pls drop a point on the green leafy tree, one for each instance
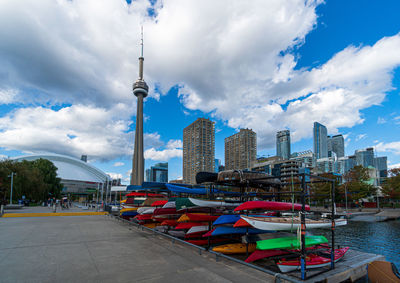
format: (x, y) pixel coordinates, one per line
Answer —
(34, 179)
(321, 191)
(391, 188)
(357, 184)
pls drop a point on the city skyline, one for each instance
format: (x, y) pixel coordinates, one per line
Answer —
(70, 92)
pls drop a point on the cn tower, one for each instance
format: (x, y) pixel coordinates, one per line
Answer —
(140, 90)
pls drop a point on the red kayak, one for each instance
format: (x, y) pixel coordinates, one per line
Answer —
(194, 235)
(269, 205)
(163, 211)
(159, 203)
(138, 194)
(188, 225)
(169, 222)
(312, 261)
(208, 234)
(142, 217)
(202, 217)
(260, 254)
(241, 223)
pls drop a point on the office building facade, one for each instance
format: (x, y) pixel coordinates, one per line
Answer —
(240, 150)
(157, 173)
(283, 144)
(336, 145)
(365, 157)
(198, 149)
(320, 141)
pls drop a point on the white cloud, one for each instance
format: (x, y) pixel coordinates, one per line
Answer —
(236, 60)
(102, 134)
(8, 96)
(393, 147)
(391, 166)
(172, 149)
(115, 175)
(117, 164)
(381, 120)
(361, 136)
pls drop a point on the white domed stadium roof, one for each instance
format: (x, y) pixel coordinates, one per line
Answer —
(70, 168)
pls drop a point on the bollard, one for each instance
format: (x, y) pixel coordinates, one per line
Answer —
(54, 208)
(1, 210)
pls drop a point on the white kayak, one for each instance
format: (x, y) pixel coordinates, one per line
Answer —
(170, 204)
(196, 229)
(149, 210)
(288, 223)
(213, 203)
(143, 208)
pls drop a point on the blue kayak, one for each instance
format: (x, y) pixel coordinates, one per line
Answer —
(129, 213)
(224, 230)
(227, 219)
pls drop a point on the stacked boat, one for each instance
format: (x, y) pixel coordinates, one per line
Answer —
(253, 228)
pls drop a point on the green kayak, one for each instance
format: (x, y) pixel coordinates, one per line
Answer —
(289, 242)
(182, 203)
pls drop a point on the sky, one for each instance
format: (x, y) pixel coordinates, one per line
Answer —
(67, 69)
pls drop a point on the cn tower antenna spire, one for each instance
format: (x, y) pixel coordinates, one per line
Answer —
(140, 90)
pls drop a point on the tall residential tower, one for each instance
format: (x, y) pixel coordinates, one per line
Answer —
(283, 144)
(240, 150)
(198, 149)
(320, 141)
(140, 90)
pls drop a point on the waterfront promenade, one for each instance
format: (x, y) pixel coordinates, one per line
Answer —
(99, 249)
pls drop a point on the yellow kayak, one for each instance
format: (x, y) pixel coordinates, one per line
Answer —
(128, 209)
(185, 218)
(151, 225)
(237, 248)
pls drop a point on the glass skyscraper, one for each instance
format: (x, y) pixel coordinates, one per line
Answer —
(157, 173)
(320, 141)
(365, 157)
(283, 144)
(336, 145)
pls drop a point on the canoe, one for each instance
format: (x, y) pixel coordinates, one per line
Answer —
(188, 225)
(213, 203)
(196, 229)
(289, 242)
(379, 269)
(269, 205)
(312, 261)
(225, 230)
(237, 248)
(288, 223)
(183, 203)
(159, 203)
(227, 219)
(201, 217)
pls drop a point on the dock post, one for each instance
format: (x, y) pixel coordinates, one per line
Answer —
(333, 225)
(303, 229)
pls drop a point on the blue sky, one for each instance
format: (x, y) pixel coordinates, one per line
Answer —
(67, 67)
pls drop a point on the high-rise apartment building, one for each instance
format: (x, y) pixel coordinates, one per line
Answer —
(320, 141)
(198, 149)
(240, 150)
(365, 157)
(336, 145)
(381, 166)
(283, 144)
(157, 173)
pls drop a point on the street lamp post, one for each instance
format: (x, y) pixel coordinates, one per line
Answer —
(12, 182)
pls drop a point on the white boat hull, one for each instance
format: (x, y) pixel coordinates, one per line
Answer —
(277, 226)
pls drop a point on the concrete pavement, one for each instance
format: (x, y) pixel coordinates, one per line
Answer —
(99, 249)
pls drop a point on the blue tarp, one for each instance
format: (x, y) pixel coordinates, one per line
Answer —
(183, 190)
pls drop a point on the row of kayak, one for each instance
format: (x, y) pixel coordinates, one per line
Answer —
(223, 226)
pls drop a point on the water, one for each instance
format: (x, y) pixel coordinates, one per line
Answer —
(372, 237)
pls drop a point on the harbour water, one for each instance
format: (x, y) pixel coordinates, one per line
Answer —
(371, 237)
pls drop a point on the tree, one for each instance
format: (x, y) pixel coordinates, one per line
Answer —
(391, 188)
(321, 191)
(357, 184)
(34, 179)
